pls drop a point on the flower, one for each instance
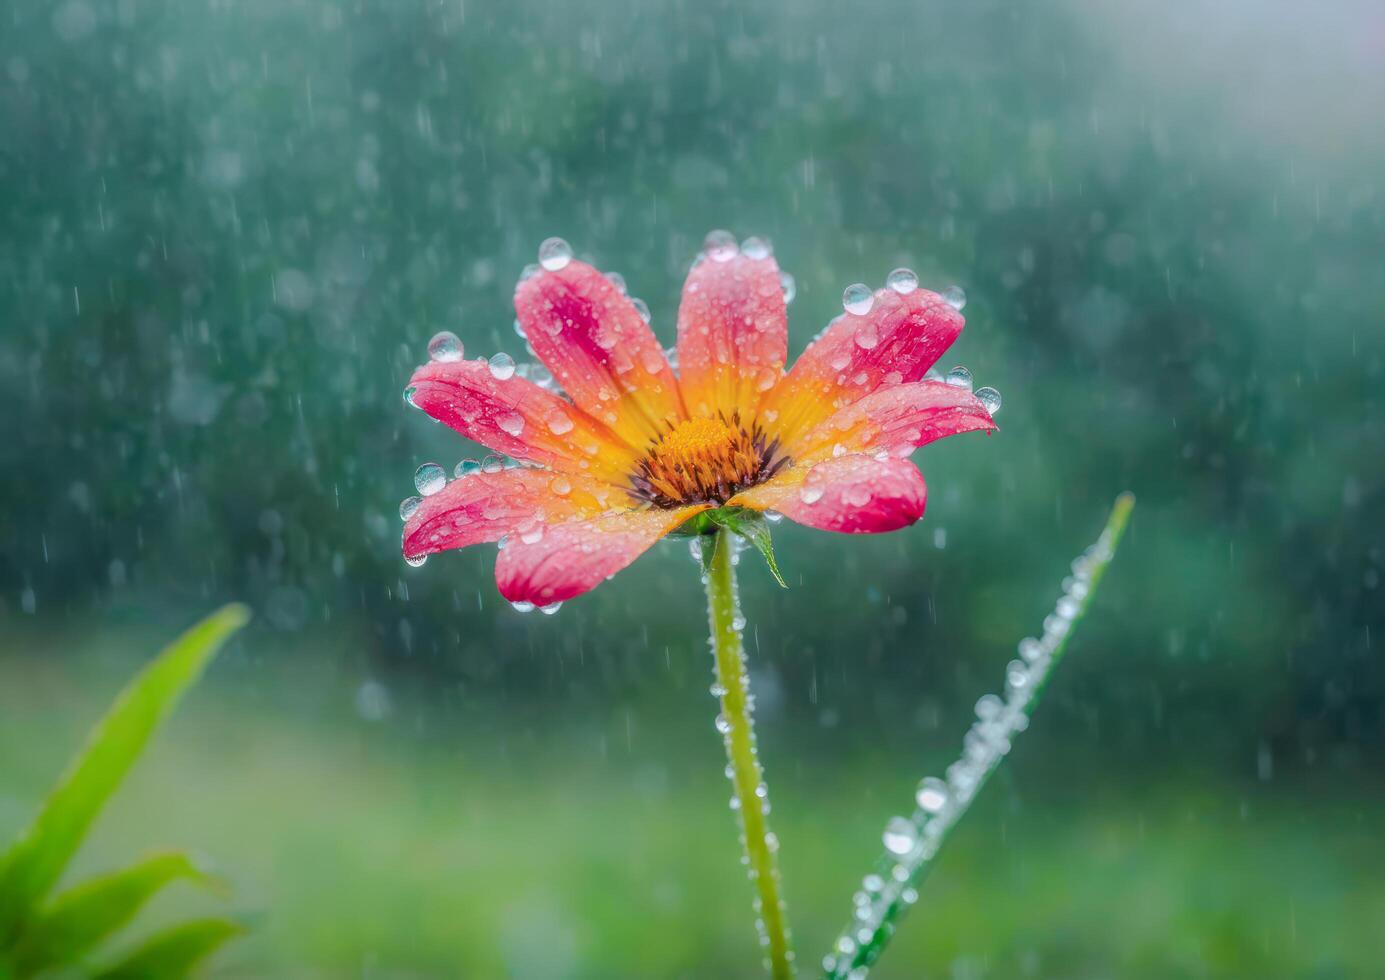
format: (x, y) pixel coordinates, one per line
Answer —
(635, 450)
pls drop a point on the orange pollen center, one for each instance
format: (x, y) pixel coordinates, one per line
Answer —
(704, 460)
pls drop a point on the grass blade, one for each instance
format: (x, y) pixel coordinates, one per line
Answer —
(912, 842)
(174, 952)
(75, 921)
(34, 864)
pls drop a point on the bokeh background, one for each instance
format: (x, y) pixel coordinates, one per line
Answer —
(230, 228)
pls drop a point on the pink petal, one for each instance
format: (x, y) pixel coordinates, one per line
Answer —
(569, 559)
(487, 506)
(896, 419)
(733, 335)
(855, 494)
(897, 341)
(519, 419)
(600, 349)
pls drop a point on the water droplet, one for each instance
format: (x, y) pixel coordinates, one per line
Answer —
(551, 608)
(902, 281)
(810, 495)
(1016, 675)
(502, 367)
(858, 299)
(407, 506)
(429, 479)
(900, 835)
(617, 280)
(642, 308)
(511, 423)
(756, 248)
(492, 464)
(445, 346)
(989, 399)
(1030, 649)
(954, 297)
(931, 796)
(466, 467)
(720, 246)
(988, 706)
(554, 254)
(773, 516)
(723, 724)
(788, 286)
(959, 377)
(415, 561)
(560, 485)
(528, 272)
(523, 606)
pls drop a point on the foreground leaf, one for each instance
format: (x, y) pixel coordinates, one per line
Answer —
(74, 922)
(33, 865)
(172, 953)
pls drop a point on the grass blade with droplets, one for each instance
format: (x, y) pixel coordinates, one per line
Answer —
(912, 842)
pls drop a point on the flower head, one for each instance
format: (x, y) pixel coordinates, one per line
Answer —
(635, 450)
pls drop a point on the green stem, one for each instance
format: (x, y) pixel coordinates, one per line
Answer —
(751, 795)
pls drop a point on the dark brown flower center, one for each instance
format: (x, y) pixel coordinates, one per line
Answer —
(705, 460)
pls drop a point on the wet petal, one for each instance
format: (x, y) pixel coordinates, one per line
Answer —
(487, 506)
(855, 494)
(571, 558)
(600, 349)
(733, 335)
(896, 419)
(518, 418)
(897, 341)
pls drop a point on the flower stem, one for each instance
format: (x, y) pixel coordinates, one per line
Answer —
(751, 798)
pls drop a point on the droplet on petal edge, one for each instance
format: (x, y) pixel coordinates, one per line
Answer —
(467, 467)
(502, 366)
(617, 280)
(642, 308)
(407, 506)
(554, 254)
(959, 377)
(858, 299)
(429, 479)
(902, 281)
(756, 248)
(788, 285)
(989, 399)
(954, 296)
(445, 347)
(720, 246)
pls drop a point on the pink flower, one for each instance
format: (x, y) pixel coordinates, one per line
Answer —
(635, 449)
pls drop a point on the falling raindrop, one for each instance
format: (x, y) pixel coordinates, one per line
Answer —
(858, 299)
(720, 246)
(989, 399)
(959, 377)
(407, 506)
(554, 254)
(954, 297)
(756, 248)
(902, 281)
(502, 366)
(445, 346)
(900, 835)
(429, 479)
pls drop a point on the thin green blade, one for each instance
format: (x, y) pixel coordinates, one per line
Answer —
(174, 952)
(33, 865)
(79, 918)
(752, 526)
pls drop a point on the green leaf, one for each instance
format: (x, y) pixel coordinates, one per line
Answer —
(174, 952)
(752, 526)
(36, 860)
(75, 921)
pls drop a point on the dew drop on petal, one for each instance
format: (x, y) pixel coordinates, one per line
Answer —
(445, 346)
(809, 494)
(902, 281)
(900, 835)
(554, 254)
(954, 296)
(858, 299)
(511, 423)
(642, 308)
(467, 467)
(788, 286)
(959, 377)
(502, 366)
(522, 606)
(617, 280)
(561, 485)
(989, 399)
(551, 608)
(559, 423)
(415, 561)
(720, 246)
(492, 464)
(931, 796)
(430, 478)
(407, 506)
(756, 248)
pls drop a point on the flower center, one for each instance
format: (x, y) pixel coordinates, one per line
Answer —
(705, 460)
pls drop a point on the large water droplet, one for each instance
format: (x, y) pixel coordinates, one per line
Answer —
(511, 423)
(720, 246)
(959, 377)
(900, 835)
(445, 346)
(554, 254)
(756, 248)
(430, 478)
(989, 399)
(858, 299)
(954, 297)
(902, 281)
(502, 366)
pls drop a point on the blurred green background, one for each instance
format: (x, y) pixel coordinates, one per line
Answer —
(230, 228)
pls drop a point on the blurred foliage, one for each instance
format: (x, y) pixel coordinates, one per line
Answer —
(38, 933)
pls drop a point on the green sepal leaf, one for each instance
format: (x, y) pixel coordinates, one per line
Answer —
(173, 953)
(752, 526)
(75, 921)
(34, 863)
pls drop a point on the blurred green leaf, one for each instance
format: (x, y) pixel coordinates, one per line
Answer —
(35, 862)
(79, 918)
(174, 952)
